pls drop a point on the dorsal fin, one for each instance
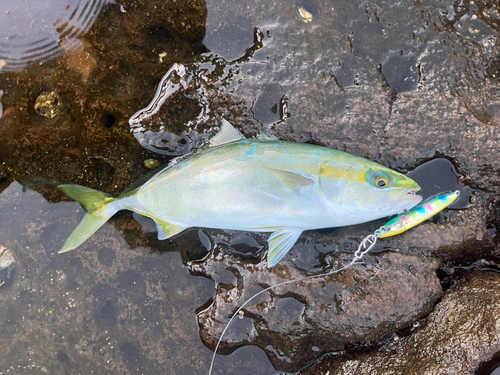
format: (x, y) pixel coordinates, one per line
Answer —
(267, 137)
(226, 134)
(142, 180)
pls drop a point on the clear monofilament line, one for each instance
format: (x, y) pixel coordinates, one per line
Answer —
(363, 249)
(401, 223)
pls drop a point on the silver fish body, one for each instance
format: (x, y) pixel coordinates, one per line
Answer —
(260, 185)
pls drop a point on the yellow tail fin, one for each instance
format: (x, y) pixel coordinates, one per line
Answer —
(95, 203)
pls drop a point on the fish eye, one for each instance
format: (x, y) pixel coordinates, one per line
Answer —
(381, 180)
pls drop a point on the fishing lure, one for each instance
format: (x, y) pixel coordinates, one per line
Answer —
(417, 214)
(407, 220)
(260, 185)
(401, 223)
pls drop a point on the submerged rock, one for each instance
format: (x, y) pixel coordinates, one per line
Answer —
(298, 322)
(98, 88)
(47, 104)
(448, 341)
(7, 266)
(151, 163)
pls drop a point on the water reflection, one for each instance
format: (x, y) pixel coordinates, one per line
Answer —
(155, 132)
(335, 80)
(184, 109)
(105, 309)
(41, 30)
(439, 175)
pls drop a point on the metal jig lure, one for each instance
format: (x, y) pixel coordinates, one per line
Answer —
(397, 225)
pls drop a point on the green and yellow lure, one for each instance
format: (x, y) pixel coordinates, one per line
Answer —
(417, 214)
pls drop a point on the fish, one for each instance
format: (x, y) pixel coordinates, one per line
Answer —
(417, 214)
(260, 185)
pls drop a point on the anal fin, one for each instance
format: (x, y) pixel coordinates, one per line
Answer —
(166, 229)
(280, 243)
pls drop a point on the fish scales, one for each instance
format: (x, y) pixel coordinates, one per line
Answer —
(231, 189)
(256, 185)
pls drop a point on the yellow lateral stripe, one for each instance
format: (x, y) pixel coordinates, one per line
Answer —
(351, 174)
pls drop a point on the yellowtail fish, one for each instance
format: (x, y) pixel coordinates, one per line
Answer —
(262, 185)
(397, 225)
(417, 214)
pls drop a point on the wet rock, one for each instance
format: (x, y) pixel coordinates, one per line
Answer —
(448, 341)
(99, 80)
(399, 83)
(299, 322)
(47, 104)
(105, 309)
(7, 267)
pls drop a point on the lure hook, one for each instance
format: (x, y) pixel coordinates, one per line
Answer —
(406, 220)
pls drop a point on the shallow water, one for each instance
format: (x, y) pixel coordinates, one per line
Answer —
(106, 309)
(35, 30)
(339, 75)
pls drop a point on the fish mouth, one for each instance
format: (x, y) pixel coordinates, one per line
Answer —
(409, 196)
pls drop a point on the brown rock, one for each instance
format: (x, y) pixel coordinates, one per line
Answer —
(299, 322)
(460, 334)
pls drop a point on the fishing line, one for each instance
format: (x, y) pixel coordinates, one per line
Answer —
(364, 247)
(401, 223)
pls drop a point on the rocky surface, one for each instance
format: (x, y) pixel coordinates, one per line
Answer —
(299, 322)
(403, 103)
(460, 335)
(402, 83)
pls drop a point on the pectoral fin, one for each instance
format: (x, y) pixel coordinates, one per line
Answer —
(167, 230)
(291, 180)
(280, 243)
